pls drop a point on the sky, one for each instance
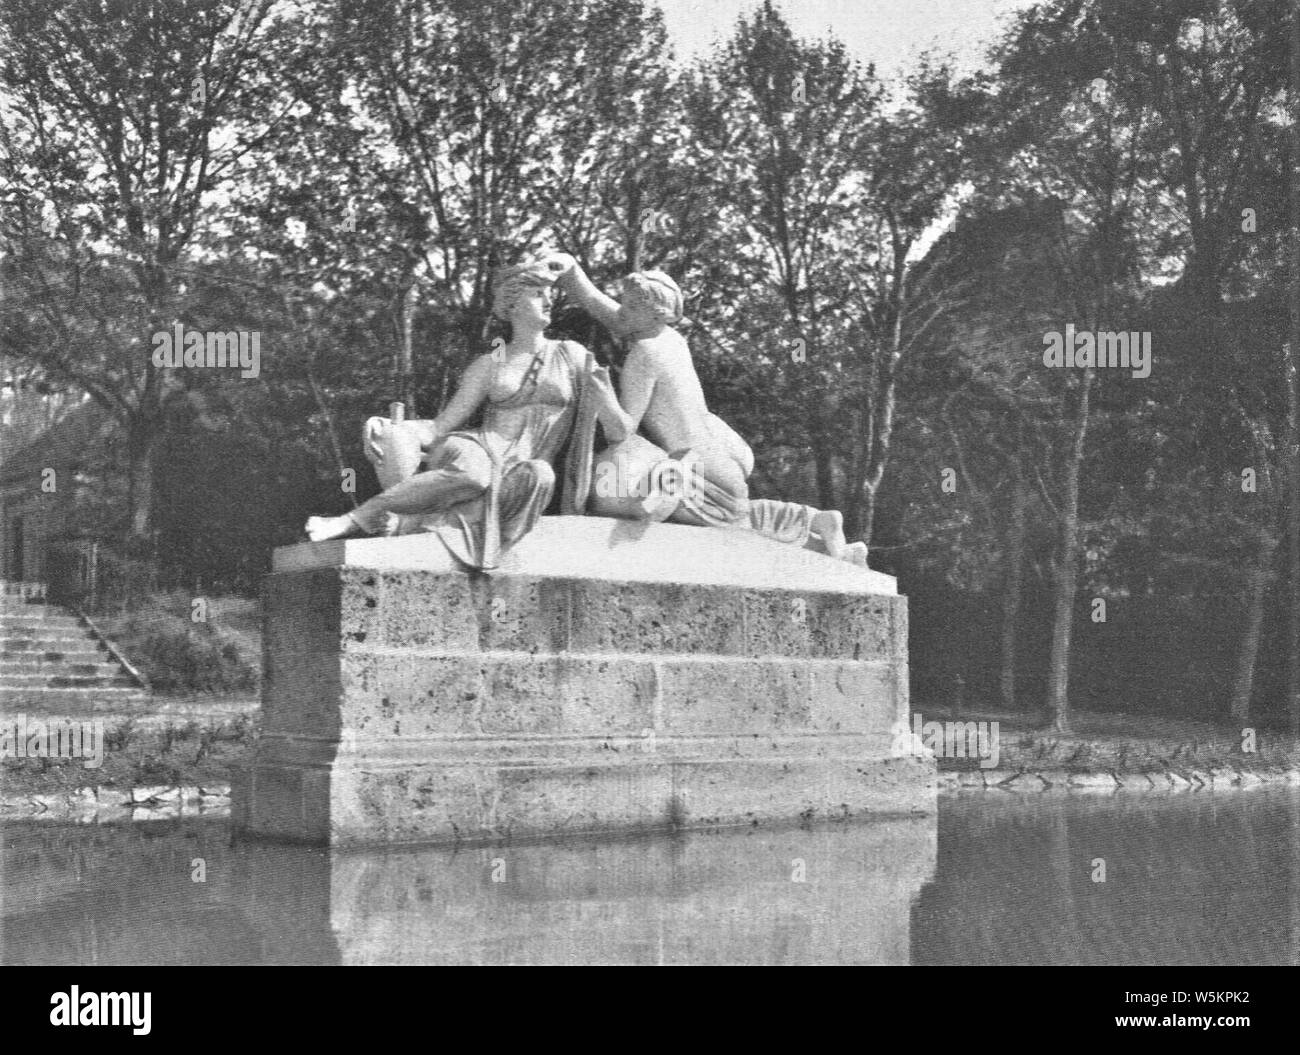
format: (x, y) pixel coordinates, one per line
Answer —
(890, 33)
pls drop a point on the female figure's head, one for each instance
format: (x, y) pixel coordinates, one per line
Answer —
(522, 298)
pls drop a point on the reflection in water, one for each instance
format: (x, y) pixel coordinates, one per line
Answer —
(1189, 879)
(836, 894)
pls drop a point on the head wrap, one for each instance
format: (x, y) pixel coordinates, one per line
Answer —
(510, 282)
(662, 291)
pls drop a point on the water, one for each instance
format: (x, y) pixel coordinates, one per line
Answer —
(1189, 879)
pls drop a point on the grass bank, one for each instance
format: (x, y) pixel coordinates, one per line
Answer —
(186, 646)
(140, 753)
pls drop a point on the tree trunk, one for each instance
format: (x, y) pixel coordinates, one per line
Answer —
(141, 443)
(823, 469)
(867, 514)
(878, 455)
(852, 510)
(1012, 590)
(1257, 579)
(330, 429)
(1293, 524)
(405, 360)
(854, 490)
(635, 236)
(1065, 584)
(1291, 366)
(144, 423)
(1064, 588)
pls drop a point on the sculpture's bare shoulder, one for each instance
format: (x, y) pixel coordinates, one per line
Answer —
(676, 412)
(666, 355)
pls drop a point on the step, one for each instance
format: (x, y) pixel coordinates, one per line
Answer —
(89, 692)
(49, 643)
(98, 666)
(109, 692)
(9, 623)
(73, 702)
(54, 656)
(21, 590)
(43, 615)
(30, 611)
(20, 682)
(40, 630)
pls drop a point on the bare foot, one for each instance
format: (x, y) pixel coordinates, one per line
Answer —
(322, 529)
(828, 525)
(856, 553)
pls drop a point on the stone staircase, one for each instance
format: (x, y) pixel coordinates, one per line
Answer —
(53, 661)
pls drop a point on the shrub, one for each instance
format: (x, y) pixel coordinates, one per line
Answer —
(179, 655)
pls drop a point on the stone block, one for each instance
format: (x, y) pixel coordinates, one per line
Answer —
(820, 625)
(736, 696)
(656, 618)
(426, 610)
(855, 697)
(408, 700)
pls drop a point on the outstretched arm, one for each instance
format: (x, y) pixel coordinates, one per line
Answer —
(609, 412)
(473, 390)
(614, 419)
(469, 396)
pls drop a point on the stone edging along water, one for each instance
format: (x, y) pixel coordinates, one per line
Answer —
(1218, 778)
(91, 805)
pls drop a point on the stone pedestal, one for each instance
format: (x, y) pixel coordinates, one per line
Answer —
(610, 676)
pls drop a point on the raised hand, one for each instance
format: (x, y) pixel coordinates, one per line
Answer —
(618, 426)
(559, 264)
(603, 387)
(372, 438)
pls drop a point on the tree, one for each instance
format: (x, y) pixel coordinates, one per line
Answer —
(1086, 86)
(436, 141)
(823, 196)
(121, 120)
